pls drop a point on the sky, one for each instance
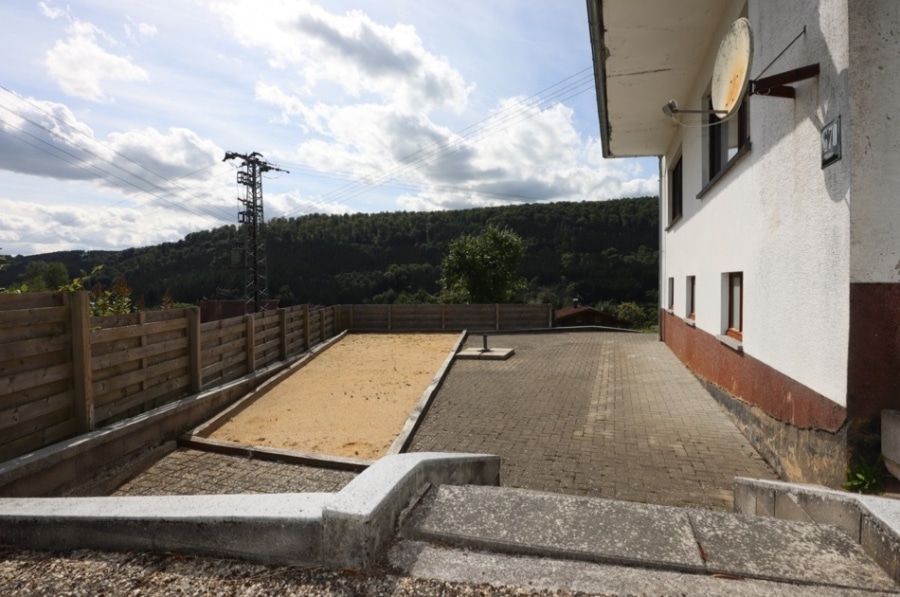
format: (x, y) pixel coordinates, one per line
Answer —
(115, 115)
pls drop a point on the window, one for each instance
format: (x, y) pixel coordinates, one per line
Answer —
(690, 287)
(675, 193)
(726, 138)
(735, 325)
(671, 296)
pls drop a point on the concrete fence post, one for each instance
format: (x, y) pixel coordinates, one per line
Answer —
(81, 360)
(194, 349)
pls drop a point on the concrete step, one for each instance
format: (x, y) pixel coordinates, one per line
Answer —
(555, 526)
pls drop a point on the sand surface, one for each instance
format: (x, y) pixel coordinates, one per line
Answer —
(351, 400)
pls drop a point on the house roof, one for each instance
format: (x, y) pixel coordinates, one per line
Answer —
(647, 52)
(568, 311)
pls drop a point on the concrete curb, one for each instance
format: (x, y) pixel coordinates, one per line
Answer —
(872, 522)
(344, 529)
(418, 412)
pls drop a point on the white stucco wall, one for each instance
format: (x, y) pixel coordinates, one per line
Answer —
(776, 216)
(874, 80)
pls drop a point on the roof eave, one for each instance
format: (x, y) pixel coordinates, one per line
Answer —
(599, 55)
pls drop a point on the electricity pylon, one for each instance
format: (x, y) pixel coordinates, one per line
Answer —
(251, 223)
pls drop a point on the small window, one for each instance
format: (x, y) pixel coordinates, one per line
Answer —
(690, 293)
(725, 138)
(735, 327)
(676, 193)
(671, 295)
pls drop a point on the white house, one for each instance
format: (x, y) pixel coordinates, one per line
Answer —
(780, 226)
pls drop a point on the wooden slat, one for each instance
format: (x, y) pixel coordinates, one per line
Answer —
(34, 346)
(112, 384)
(46, 437)
(36, 425)
(21, 382)
(30, 300)
(19, 415)
(29, 317)
(139, 352)
(177, 386)
(135, 331)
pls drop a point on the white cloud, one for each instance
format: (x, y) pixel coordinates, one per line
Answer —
(138, 32)
(46, 139)
(81, 66)
(351, 51)
(28, 228)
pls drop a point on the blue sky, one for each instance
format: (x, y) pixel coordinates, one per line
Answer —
(115, 115)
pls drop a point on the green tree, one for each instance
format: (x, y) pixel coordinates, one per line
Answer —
(483, 268)
(40, 276)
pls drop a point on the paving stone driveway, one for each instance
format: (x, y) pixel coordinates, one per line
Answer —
(606, 414)
(193, 472)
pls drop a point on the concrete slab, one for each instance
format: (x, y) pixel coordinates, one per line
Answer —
(492, 354)
(781, 550)
(557, 526)
(548, 575)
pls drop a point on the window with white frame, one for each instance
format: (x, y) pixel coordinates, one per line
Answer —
(690, 296)
(734, 326)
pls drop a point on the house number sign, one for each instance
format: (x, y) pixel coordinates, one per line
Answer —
(831, 142)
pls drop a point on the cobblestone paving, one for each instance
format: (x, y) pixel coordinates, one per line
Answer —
(606, 414)
(192, 472)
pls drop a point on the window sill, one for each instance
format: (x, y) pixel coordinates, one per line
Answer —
(674, 221)
(735, 345)
(743, 151)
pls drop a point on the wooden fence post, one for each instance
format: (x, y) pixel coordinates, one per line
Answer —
(306, 345)
(497, 316)
(390, 316)
(282, 335)
(322, 324)
(250, 318)
(81, 360)
(194, 349)
(443, 317)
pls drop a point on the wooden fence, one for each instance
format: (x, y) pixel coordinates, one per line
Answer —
(63, 372)
(497, 317)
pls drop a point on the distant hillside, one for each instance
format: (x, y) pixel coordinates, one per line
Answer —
(595, 251)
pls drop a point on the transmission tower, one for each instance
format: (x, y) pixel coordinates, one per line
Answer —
(251, 223)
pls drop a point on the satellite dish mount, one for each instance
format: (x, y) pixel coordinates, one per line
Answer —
(731, 74)
(777, 85)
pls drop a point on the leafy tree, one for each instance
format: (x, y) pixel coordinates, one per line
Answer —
(483, 268)
(40, 276)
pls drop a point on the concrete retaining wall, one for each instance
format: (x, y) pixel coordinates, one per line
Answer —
(348, 529)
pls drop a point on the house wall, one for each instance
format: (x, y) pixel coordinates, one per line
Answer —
(874, 83)
(784, 222)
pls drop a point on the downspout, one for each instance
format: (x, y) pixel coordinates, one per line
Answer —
(662, 256)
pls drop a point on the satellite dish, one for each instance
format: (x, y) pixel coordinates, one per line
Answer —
(731, 73)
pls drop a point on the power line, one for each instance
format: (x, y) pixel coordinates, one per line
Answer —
(562, 90)
(205, 209)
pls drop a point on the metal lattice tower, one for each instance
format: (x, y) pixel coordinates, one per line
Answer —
(251, 224)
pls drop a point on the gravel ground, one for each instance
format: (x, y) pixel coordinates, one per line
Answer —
(89, 573)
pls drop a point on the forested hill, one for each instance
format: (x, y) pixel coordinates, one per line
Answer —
(595, 251)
